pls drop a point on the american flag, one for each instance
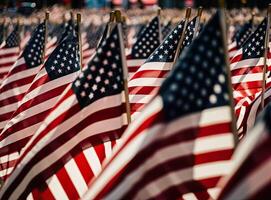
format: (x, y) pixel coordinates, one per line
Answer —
(95, 34)
(53, 38)
(243, 34)
(146, 43)
(240, 38)
(247, 67)
(139, 29)
(9, 52)
(69, 29)
(104, 35)
(90, 111)
(59, 70)
(144, 84)
(87, 51)
(71, 181)
(249, 177)
(57, 35)
(50, 46)
(247, 74)
(21, 75)
(55, 30)
(247, 114)
(182, 143)
(166, 29)
(189, 32)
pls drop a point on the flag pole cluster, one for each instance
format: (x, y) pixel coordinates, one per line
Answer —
(135, 107)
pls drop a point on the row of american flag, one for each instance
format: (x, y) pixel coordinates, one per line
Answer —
(67, 98)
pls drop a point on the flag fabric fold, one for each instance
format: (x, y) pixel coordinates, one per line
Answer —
(181, 144)
(247, 65)
(59, 70)
(145, 83)
(9, 52)
(21, 75)
(247, 74)
(90, 112)
(240, 38)
(145, 44)
(248, 178)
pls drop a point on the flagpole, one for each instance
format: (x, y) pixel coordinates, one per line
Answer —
(124, 65)
(180, 44)
(159, 24)
(47, 15)
(79, 39)
(252, 20)
(224, 34)
(123, 20)
(110, 23)
(71, 15)
(22, 33)
(197, 26)
(5, 30)
(266, 45)
(64, 18)
(19, 31)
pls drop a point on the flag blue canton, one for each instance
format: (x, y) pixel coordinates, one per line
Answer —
(33, 52)
(95, 35)
(199, 79)
(148, 40)
(189, 32)
(103, 76)
(243, 34)
(254, 46)
(103, 37)
(13, 39)
(65, 59)
(69, 29)
(55, 30)
(166, 51)
(139, 29)
(166, 29)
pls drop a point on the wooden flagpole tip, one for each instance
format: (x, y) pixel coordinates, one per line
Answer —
(222, 4)
(18, 21)
(269, 8)
(78, 16)
(118, 16)
(64, 17)
(188, 13)
(200, 11)
(252, 16)
(47, 14)
(123, 19)
(112, 16)
(159, 11)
